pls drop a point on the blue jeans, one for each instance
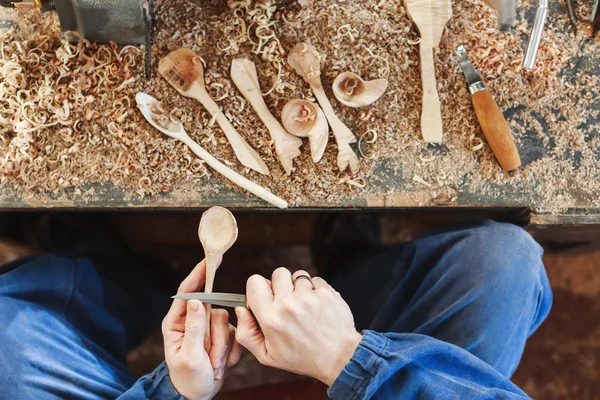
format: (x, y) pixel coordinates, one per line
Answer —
(480, 286)
(63, 328)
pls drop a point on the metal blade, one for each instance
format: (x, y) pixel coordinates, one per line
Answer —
(471, 74)
(217, 299)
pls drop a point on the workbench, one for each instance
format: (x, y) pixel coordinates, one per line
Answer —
(569, 197)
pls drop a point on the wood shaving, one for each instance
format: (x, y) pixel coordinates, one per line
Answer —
(79, 134)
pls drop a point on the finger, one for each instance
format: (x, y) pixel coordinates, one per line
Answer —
(195, 327)
(320, 283)
(260, 295)
(236, 349)
(282, 282)
(302, 284)
(249, 335)
(220, 341)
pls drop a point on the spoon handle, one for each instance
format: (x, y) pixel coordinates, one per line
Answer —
(343, 135)
(246, 154)
(212, 260)
(431, 115)
(233, 176)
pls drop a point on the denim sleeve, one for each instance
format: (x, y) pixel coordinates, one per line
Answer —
(156, 385)
(410, 366)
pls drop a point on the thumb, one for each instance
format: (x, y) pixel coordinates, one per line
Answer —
(249, 335)
(195, 328)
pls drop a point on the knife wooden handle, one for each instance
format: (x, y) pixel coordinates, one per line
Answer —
(496, 130)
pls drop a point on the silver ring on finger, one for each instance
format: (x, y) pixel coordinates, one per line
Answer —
(304, 277)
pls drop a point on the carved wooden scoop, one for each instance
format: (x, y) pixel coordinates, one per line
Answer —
(287, 147)
(147, 103)
(217, 232)
(183, 70)
(304, 59)
(430, 17)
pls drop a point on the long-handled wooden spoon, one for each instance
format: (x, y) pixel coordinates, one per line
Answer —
(287, 147)
(304, 59)
(217, 232)
(146, 103)
(430, 17)
(183, 70)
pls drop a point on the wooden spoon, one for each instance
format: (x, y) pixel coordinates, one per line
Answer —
(304, 59)
(304, 118)
(352, 91)
(430, 17)
(217, 232)
(287, 147)
(183, 70)
(145, 103)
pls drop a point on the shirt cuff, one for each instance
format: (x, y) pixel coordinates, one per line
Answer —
(163, 387)
(354, 379)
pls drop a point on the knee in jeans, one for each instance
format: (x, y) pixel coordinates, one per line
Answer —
(506, 255)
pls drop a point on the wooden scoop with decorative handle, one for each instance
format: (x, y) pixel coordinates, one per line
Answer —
(304, 59)
(430, 17)
(183, 70)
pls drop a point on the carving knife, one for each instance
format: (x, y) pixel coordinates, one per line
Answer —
(494, 126)
(595, 17)
(217, 299)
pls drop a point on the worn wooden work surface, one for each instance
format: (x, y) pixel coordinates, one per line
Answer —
(559, 141)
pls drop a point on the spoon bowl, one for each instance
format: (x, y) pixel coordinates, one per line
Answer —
(218, 230)
(149, 106)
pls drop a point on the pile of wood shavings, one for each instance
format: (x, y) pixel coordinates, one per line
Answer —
(369, 38)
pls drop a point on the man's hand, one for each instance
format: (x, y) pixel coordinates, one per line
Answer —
(195, 374)
(306, 330)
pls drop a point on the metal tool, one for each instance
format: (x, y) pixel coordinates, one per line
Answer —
(595, 17)
(494, 126)
(572, 15)
(507, 12)
(217, 299)
(535, 38)
(123, 21)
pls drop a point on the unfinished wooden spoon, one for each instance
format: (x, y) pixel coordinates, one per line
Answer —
(217, 232)
(304, 118)
(304, 59)
(183, 70)
(147, 103)
(287, 147)
(352, 91)
(430, 17)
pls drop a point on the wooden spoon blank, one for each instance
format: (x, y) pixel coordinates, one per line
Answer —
(287, 147)
(430, 17)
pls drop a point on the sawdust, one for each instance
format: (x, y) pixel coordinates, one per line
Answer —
(552, 110)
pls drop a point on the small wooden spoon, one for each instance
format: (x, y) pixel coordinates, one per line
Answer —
(183, 70)
(304, 59)
(304, 118)
(430, 17)
(352, 91)
(217, 232)
(287, 147)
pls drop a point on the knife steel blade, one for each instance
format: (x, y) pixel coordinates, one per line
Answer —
(471, 74)
(217, 299)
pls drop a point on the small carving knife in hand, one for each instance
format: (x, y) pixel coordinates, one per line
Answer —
(494, 126)
(216, 299)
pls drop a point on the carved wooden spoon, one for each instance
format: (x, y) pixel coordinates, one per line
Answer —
(430, 17)
(146, 103)
(304, 118)
(304, 59)
(183, 70)
(287, 147)
(217, 232)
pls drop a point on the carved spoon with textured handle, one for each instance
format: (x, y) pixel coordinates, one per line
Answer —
(304, 59)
